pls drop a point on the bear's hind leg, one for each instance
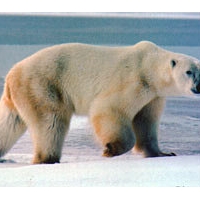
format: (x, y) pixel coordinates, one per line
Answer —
(114, 131)
(145, 127)
(48, 137)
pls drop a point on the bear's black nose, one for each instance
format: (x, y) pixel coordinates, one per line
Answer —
(198, 88)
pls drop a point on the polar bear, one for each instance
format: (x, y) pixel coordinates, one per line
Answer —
(121, 89)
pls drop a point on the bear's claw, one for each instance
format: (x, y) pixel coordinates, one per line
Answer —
(159, 154)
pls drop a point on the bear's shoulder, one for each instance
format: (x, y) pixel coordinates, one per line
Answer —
(146, 45)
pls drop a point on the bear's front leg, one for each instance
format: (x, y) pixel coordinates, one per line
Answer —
(145, 126)
(115, 132)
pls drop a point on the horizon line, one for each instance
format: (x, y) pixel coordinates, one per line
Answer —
(161, 15)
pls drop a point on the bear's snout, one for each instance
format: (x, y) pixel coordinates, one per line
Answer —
(194, 74)
(196, 88)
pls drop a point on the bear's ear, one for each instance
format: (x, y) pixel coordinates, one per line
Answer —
(173, 63)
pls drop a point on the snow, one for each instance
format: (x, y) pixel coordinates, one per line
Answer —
(166, 172)
(82, 163)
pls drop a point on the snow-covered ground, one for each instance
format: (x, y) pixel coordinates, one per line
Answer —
(175, 171)
(82, 163)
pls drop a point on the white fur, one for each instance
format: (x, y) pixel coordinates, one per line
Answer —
(122, 89)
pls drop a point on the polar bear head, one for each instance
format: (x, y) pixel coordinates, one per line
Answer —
(186, 74)
(171, 74)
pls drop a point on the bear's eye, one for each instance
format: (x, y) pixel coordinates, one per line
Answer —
(173, 63)
(189, 73)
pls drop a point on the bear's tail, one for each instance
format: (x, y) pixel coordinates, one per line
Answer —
(11, 127)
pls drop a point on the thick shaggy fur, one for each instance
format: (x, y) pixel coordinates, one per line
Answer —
(122, 89)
